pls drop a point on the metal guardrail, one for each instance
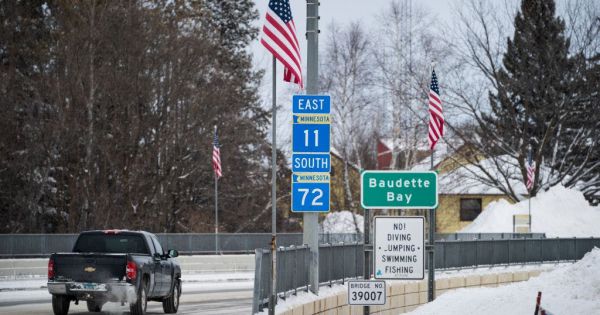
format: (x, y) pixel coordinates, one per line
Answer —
(41, 245)
(448, 255)
(460, 254)
(337, 262)
(486, 236)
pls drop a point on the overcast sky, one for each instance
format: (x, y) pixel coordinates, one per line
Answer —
(342, 12)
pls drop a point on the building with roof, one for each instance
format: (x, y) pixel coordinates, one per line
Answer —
(464, 191)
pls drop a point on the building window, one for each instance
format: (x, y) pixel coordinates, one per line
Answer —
(470, 208)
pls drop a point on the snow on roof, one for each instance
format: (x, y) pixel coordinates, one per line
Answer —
(471, 179)
(441, 153)
(403, 145)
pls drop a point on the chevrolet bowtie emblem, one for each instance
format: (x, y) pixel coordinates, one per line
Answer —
(89, 269)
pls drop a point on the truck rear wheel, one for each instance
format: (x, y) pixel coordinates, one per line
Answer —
(171, 304)
(139, 307)
(94, 306)
(60, 304)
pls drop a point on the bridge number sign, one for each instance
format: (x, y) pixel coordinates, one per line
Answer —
(366, 292)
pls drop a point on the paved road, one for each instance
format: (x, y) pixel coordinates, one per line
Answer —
(197, 301)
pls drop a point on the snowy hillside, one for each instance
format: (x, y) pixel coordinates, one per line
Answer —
(558, 212)
(572, 289)
(342, 222)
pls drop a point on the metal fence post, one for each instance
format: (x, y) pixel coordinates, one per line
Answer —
(444, 254)
(343, 263)
(542, 251)
(559, 248)
(331, 260)
(295, 270)
(306, 263)
(256, 300)
(575, 257)
(476, 253)
(508, 251)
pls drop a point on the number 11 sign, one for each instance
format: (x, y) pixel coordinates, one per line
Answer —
(311, 138)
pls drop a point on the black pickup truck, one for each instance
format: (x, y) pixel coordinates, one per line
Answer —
(115, 266)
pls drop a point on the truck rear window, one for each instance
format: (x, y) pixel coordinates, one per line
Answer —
(117, 243)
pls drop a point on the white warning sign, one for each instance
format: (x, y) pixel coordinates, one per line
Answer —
(399, 248)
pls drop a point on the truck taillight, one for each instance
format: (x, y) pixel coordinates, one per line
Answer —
(50, 269)
(131, 270)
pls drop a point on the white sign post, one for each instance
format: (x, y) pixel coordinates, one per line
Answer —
(399, 248)
(366, 292)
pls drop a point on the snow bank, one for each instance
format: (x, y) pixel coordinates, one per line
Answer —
(558, 212)
(342, 222)
(572, 289)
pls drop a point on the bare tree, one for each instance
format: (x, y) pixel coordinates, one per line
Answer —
(404, 52)
(346, 76)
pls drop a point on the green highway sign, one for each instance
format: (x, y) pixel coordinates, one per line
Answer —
(398, 190)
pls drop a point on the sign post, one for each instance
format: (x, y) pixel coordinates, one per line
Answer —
(310, 226)
(399, 190)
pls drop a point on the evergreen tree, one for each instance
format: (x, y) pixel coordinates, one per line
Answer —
(536, 88)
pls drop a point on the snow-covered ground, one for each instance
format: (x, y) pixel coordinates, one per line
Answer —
(325, 291)
(33, 289)
(558, 212)
(342, 222)
(570, 289)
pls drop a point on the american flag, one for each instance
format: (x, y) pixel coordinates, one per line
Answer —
(530, 171)
(436, 116)
(279, 37)
(216, 157)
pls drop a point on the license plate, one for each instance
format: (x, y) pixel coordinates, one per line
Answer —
(87, 286)
(90, 286)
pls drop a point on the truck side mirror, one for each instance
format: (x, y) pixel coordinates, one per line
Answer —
(173, 253)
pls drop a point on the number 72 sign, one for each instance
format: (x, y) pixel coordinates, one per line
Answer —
(310, 192)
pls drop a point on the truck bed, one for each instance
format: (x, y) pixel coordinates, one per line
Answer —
(89, 267)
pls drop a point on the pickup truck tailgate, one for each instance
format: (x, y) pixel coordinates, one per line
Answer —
(89, 267)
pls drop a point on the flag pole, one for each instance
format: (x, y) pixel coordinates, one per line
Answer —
(530, 231)
(430, 262)
(273, 298)
(529, 190)
(430, 252)
(216, 208)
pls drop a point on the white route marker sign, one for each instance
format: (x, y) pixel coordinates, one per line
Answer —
(366, 292)
(399, 248)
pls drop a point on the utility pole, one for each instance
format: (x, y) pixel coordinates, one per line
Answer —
(311, 220)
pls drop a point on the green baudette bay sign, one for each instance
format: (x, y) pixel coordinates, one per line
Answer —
(398, 190)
